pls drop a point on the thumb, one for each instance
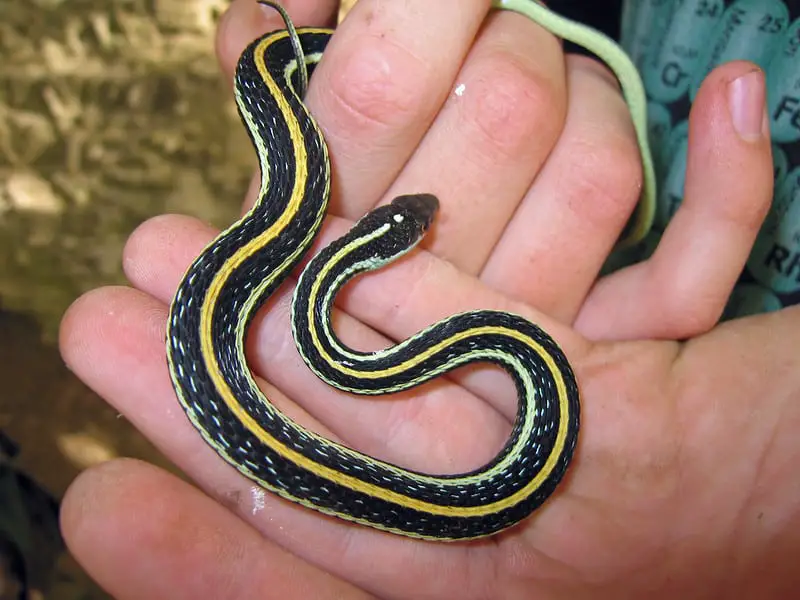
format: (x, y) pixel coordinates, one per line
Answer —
(682, 289)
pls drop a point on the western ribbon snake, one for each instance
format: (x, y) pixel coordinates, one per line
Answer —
(224, 287)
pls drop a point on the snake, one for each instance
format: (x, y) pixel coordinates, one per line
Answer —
(232, 278)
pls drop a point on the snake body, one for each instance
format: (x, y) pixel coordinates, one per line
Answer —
(233, 277)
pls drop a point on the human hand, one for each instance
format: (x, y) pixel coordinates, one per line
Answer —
(682, 479)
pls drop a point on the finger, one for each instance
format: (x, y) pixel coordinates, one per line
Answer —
(551, 252)
(406, 429)
(385, 75)
(496, 129)
(246, 20)
(142, 533)
(682, 289)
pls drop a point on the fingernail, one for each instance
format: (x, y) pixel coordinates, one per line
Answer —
(747, 101)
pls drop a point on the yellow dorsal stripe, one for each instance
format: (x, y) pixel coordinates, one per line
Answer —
(213, 368)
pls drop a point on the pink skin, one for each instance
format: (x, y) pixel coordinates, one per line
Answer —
(684, 482)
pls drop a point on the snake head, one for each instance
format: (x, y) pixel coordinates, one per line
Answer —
(415, 210)
(402, 223)
(389, 231)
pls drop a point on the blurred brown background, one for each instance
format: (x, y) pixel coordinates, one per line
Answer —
(110, 112)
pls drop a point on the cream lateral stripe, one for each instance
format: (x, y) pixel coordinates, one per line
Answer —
(328, 299)
(403, 500)
(253, 426)
(411, 362)
(552, 368)
(337, 258)
(301, 162)
(452, 482)
(291, 66)
(223, 289)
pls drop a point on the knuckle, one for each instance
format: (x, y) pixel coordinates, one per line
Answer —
(687, 311)
(379, 85)
(510, 103)
(747, 208)
(605, 175)
(412, 274)
(701, 318)
(755, 212)
(595, 67)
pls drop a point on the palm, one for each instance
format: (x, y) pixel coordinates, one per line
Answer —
(668, 431)
(680, 443)
(674, 459)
